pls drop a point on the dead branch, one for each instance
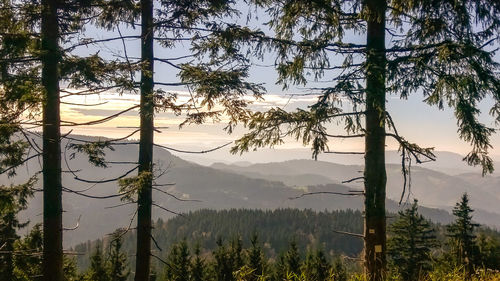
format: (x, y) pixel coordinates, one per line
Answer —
(349, 233)
(76, 226)
(353, 179)
(350, 193)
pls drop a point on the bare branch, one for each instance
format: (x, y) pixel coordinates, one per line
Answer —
(76, 226)
(350, 193)
(349, 233)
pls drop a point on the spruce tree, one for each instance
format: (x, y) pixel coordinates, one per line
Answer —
(315, 266)
(117, 260)
(223, 263)
(29, 264)
(462, 237)
(236, 254)
(489, 251)
(410, 243)
(13, 199)
(178, 262)
(198, 266)
(288, 262)
(256, 258)
(97, 270)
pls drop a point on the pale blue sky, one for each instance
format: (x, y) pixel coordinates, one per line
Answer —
(417, 121)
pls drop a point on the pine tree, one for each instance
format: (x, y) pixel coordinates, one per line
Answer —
(13, 199)
(410, 244)
(97, 270)
(489, 251)
(117, 260)
(256, 258)
(178, 262)
(223, 263)
(29, 264)
(462, 237)
(315, 266)
(288, 262)
(236, 254)
(197, 267)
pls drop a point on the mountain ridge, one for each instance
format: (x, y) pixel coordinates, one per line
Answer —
(216, 188)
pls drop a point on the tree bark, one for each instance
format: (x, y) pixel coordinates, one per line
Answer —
(375, 174)
(144, 200)
(52, 265)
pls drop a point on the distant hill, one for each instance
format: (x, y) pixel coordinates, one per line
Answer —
(430, 187)
(446, 162)
(261, 186)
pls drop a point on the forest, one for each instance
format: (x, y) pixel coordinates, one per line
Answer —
(211, 68)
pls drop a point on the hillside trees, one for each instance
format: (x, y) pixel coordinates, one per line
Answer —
(439, 48)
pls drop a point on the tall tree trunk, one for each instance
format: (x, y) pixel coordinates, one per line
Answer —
(144, 200)
(375, 174)
(52, 184)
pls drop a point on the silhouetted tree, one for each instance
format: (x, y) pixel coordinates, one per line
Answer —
(439, 48)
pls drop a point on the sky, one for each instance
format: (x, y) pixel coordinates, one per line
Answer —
(416, 121)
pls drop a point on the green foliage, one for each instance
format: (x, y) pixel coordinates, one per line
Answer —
(130, 187)
(117, 260)
(315, 266)
(462, 237)
(29, 262)
(489, 251)
(198, 266)
(98, 270)
(288, 263)
(94, 150)
(410, 244)
(13, 199)
(228, 259)
(255, 258)
(275, 228)
(339, 270)
(178, 263)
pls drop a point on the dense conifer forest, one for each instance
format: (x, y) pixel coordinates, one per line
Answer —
(238, 233)
(335, 77)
